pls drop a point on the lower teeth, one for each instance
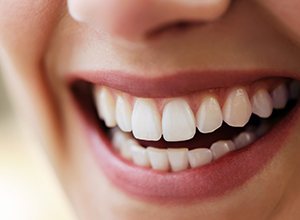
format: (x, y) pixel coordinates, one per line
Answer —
(178, 159)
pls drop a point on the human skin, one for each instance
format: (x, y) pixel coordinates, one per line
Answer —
(42, 41)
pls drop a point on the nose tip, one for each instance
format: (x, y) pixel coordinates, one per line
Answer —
(132, 20)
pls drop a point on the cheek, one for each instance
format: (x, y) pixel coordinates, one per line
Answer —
(25, 25)
(26, 28)
(287, 12)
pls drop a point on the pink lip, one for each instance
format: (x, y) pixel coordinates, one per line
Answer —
(212, 180)
(185, 82)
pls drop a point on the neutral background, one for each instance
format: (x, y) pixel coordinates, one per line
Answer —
(28, 187)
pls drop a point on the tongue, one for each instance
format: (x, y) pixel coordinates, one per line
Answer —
(199, 141)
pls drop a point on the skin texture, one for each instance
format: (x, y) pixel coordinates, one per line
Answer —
(41, 41)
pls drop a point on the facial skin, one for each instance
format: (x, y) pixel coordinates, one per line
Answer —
(42, 41)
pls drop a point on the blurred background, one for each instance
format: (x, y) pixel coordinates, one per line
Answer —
(28, 187)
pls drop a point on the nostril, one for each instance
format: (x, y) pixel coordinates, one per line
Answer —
(175, 27)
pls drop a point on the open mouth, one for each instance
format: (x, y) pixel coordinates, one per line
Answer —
(182, 138)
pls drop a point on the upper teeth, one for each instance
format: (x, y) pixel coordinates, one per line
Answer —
(123, 114)
(280, 96)
(237, 108)
(262, 103)
(145, 120)
(177, 119)
(209, 115)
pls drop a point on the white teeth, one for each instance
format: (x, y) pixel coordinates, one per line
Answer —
(280, 96)
(118, 138)
(106, 106)
(237, 108)
(139, 155)
(178, 122)
(244, 139)
(175, 159)
(221, 148)
(146, 122)
(294, 89)
(122, 142)
(262, 103)
(125, 149)
(209, 115)
(158, 158)
(178, 159)
(123, 114)
(199, 157)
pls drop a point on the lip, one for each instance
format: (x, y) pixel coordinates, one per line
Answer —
(210, 181)
(185, 82)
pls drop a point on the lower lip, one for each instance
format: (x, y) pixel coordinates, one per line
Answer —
(210, 181)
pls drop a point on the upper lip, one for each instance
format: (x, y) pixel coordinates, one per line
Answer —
(175, 84)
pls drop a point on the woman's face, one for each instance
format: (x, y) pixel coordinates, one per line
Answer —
(187, 73)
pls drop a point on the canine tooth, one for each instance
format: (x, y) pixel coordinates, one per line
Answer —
(209, 115)
(294, 89)
(123, 114)
(221, 148)
(178, 121)
(146, 121)
(244, 139)
(199, 157)
(158, 158)
(106, 105)
(280, 96)
(262, 103)
(237, 108)
(139, 155)
(178, 159)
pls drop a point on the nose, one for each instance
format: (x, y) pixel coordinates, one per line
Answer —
(135, 19)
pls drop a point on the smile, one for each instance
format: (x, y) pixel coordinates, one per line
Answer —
(185, 146)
